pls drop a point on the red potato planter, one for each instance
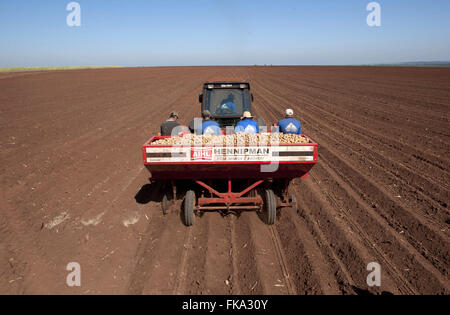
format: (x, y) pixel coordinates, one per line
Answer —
(230, 178)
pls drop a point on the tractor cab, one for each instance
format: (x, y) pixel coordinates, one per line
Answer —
(226, 101)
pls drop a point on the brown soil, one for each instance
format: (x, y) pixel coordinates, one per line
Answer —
(72, 183)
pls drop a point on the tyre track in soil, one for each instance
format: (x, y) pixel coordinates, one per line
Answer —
(438, 259)
(377, 236)
(443, 216)
(362, 134)
(229, 256)
(399, 217)
(351, 254)
(205, 259)
(159, 256)
(442, 279)
(359, 249)
(321, 141)
(310, 273)
(260, 243)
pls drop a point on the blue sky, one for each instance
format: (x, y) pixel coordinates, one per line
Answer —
(219, 32)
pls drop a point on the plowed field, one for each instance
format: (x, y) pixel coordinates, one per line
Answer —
(74, 189)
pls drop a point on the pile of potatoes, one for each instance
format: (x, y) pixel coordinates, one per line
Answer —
(233, 140)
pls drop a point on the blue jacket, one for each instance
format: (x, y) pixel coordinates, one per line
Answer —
(210, 127)
(290, 126)
(247, 126)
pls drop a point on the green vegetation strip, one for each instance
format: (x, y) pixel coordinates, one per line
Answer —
(23, 69)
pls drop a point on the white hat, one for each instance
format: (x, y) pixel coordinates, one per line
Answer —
(247, 115)
(289, 112)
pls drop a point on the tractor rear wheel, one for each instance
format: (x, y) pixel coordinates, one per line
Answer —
(294, 203)
(165, 204)
(270, 206)
(189, 205)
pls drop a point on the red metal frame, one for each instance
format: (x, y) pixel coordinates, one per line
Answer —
(229, 198)
(234, 200)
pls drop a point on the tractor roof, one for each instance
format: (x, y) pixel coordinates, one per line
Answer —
(227, 80)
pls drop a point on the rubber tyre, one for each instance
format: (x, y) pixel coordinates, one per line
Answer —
(165, 204)
(294, 203)
(270, 207)
(189, 204)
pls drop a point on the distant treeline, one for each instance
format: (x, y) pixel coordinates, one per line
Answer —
(418, 64)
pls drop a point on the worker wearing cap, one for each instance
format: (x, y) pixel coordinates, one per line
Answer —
(210, 127)
(247, 124)
(290, 125)
(167, 127)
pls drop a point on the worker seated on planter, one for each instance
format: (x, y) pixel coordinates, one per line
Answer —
(290, 125)
(210, 127)
(247, 124)
(171, 126)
